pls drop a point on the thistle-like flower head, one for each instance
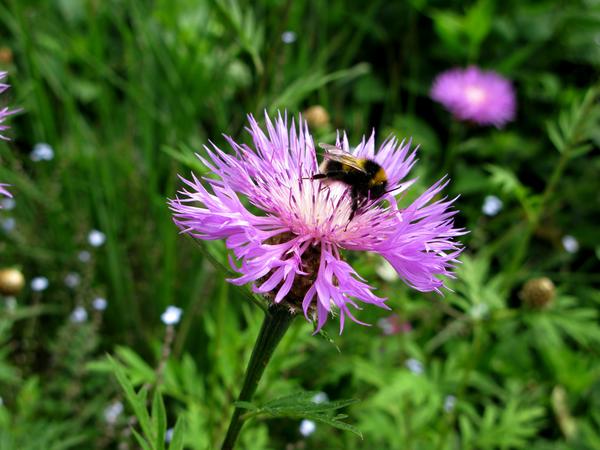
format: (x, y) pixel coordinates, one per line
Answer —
(288, 232)
(476, 95)
(4, 113)
(4, 191)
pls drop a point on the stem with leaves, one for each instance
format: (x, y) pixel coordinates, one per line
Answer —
(277, 320)
(455, 137)
(569, 135)
(474, 356)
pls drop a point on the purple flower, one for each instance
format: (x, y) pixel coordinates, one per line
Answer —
(393, 325)
(288, 237)
(4, 112)
(476, 95)
(4, 191)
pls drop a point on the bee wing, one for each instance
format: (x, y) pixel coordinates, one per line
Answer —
(337, 154)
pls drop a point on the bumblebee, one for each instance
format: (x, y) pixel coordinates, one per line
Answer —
(366, 178)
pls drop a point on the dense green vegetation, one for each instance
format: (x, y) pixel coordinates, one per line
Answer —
(125, 92)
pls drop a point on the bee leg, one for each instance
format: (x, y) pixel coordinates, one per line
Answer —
(355, 206)
(350, 218)
(332, 174)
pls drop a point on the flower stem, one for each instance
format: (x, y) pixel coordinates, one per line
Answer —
(276, 322)
(455, 136)
(576, 136)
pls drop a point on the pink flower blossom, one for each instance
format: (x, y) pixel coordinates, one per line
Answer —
(476, 95)
(288, 233)
(393, 324)
(4, 113)
(4, 191)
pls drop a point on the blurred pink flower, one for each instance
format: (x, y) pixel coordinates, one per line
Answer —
(393, 324)
(4, 113)
(476, 95)
(4, 191)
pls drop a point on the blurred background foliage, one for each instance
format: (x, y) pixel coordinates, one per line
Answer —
(124, 92)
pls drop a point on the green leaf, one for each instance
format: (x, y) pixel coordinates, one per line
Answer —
(159, 420)
(245, 405)
(303, 402)
(143, 443)
(449, 26)
(177, 438)
(137, 402)
(580, 150)
(301, 405)
(310, 82)
(478, 23)
(508, 182)
(138, 370)
(187, 157)
(248, 30)
(506, 426)
(576, 124)
(555, 136)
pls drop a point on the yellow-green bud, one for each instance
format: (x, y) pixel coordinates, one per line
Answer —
(11, 281)
(538, 292)
(316, 116)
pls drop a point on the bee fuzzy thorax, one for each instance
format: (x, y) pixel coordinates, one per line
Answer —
(379, 178)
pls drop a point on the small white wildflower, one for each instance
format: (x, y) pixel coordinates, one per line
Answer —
(320, 397)
(39, 284)
(7, 203)
(9, 224)
(169, 435)
(570, 244)
(84, 256)
(414, 365)
(99, 304)
(479, 311)
(307, 427)
(79, 315)
(288, 37)
(112, 412)
(72, 280)
(96, 238)
(386, 326)
(386, 271)
(171, 316)
(492, 205)
(449, 403)
(42, 152)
